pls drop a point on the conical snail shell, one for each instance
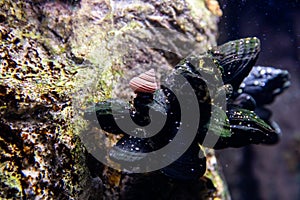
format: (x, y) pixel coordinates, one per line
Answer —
(146, 82)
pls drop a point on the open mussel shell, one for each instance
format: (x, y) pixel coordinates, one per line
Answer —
(236, 59)
(187, 167)
(144, 83)
(247, 128)
(265, 83)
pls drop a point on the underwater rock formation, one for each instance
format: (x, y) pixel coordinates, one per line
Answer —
(50, 57)
(41, 157)
(57, 57)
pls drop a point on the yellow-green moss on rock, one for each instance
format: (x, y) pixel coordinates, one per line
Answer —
(57, 58)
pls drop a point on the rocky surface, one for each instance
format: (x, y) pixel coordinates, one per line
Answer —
(57, 57)
(41, 156)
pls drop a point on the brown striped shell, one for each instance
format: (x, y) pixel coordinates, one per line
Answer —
(145, 82)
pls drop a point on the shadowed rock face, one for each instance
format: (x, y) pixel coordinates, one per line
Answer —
(51, 50)
(38, 146)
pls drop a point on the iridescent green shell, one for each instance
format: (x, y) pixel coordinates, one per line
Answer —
(219, 124)
(247, 128)
(236, 59)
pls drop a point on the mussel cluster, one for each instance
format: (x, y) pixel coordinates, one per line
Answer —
(244, 120)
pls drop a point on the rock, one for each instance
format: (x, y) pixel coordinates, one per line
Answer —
(57, 57)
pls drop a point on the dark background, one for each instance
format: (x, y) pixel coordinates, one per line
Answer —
(267, 172)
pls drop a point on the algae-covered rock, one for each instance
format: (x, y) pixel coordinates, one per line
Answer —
(57, 58)
(41, 157)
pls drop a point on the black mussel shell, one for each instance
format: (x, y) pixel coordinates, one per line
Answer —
(130, 149)
(236, 58)
(108, 119)
(244, 122)
(141, 113)
(219, 124)
(276, 127)
(189, 166)
(194, 76)
(224, 91)
(143, 102)
(265, 83)
(265, 114)
(247, 128)
(104, 114)
(201, 72)
(245, 101)
(159, 101)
